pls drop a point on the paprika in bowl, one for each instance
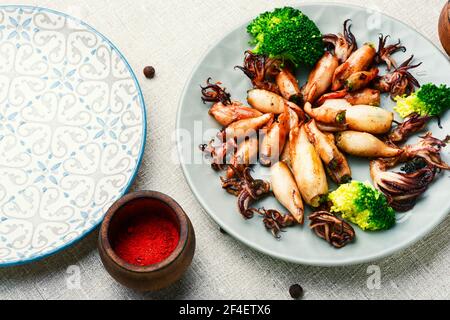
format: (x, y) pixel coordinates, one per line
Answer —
(146, 241)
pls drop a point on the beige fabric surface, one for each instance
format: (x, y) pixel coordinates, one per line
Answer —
(172, 36)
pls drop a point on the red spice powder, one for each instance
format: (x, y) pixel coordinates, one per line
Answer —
(147, 239)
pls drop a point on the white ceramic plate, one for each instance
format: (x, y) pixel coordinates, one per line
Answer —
(72, 131)
(299, 244)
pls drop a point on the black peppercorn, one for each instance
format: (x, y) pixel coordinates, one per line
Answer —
(149, 72)
(296, 291)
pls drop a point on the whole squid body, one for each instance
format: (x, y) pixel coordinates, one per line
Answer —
(360, 60)
(246, 128)
(363, 118)
(362, 144)
(288, 86)
(320, 78)
(246, 155)
(293, 123)
(360, 80)
(273, 143)
(268, 102)
(365, 96)
(286, 191)
(343, 43)
(307, 167)
(227, 114)
(335, 162)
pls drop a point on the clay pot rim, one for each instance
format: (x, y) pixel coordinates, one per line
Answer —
(155, 195)
(448, 10)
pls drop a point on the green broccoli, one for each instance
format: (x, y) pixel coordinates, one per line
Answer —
(288, 34)
(430, 100)
(362, 204)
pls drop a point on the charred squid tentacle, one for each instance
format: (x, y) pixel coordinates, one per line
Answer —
(213, 92)
(218, 151)
(343, 44)
(335, 231)
(246, 189)
(402, 189)
(414, 123)
(261, 70)
(275, 221)
(385, 52)
(244, 200)
(429, 149)
(400, 81)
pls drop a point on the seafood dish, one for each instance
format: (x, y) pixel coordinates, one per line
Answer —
(305, 132)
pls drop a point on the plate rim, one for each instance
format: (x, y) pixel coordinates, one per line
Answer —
(309, 262)
(143, 107)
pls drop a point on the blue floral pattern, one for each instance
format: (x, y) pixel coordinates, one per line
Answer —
(72, 130)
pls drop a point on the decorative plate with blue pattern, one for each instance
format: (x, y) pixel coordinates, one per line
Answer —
(72, 131)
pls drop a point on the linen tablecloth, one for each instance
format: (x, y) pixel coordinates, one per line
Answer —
(172, 36)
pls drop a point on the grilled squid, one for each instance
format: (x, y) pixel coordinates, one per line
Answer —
(286, 154)
(227, 114)
(404, 189)
(246, 128)
(327, 114)
(335, 162)
(218, 152)
(414, 123)
(360, 80)
(320, 78)
(385, 52)
(261, 70)
(274, 221)
(275, 139)
(266, 101)
(370, 119)
(307, 168)
(214, 92)
(294, 122)
(360, 117)
(338, 104)
(224, 110)
(362, 144)
(400, 81)
(286, 191)
(288, 86)
(269, 102)
(401, 189)
(359, 60)
(247, 189)
(365, 96)
(344, 44)
(332, 229)
(429, 149)
(246, 155)
(294, 118)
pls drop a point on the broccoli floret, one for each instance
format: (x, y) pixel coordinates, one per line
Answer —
(429, 100)
(287, 33)
(362, 204)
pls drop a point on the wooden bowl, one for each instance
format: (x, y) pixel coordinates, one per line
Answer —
(444, 27)
(153, 277)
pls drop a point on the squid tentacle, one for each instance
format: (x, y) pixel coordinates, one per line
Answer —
(385, 52)
(213, 92)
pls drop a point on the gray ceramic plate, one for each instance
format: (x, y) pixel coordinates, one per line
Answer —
(299, 244)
